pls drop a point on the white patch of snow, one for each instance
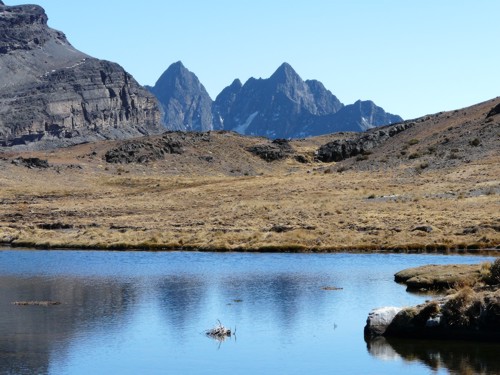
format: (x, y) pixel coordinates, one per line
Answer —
(366, 124)
(243, 127)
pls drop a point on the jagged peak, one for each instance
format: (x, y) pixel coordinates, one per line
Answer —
(285, 73)
(177, 66)
(1, 3)
(236, 83)
(174, 72)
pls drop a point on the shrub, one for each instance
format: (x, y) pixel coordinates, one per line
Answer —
(475, 142)
(415, 155)
(412, 142)
(463, 309)
(495, 272)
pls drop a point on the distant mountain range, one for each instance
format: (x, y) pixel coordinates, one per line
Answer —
(281, 106)
(52, 95)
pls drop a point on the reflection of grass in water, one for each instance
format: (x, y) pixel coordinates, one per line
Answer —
(456, 356)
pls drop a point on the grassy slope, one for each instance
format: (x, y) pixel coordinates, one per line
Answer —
(238, 201)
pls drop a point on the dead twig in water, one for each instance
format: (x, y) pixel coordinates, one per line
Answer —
(219, 332)
(36, 303)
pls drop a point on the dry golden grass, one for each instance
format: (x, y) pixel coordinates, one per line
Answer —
(283, 206)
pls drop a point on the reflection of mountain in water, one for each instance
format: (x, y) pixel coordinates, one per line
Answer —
(286, 294)
(33, 337)
(455, 356)
(181, 300)
(29, 334)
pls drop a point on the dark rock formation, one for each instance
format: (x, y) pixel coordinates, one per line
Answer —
(494, 111)
(31, 162)
(55, 95)
(339, 150)
(185, 102)
(144, 150)
(275, 150)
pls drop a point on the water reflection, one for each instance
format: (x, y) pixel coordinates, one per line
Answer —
(454, 356)
(181, 299)
(29, 334)
(147, 313)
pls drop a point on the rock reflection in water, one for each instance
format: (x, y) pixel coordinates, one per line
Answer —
(454, 356)
(30, 335)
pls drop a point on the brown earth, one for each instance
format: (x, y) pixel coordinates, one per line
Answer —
(433, 187)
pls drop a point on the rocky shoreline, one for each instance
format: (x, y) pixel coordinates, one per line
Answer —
(466, 313)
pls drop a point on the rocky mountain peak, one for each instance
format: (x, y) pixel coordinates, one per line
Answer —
(53, 95)
(24, 27)
(186, 104)
(284, 73)
(281, 106)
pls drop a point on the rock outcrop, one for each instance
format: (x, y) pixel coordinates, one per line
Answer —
(339, 150)
(185, 102)
(144, 150)
(276, 150)
(54, 95)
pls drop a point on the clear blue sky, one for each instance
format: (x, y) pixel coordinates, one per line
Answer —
(410, 57)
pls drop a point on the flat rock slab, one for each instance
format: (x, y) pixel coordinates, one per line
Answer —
(438, 277)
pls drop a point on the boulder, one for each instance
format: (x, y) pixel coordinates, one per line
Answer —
(379, 320)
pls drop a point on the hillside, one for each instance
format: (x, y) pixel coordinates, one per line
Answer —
(53, 95)
(223, 191)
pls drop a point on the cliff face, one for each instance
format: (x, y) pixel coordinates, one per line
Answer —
(55, 95)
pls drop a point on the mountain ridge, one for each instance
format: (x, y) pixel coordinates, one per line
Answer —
(281, 106)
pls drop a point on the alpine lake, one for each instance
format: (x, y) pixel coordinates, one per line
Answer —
(148, 313)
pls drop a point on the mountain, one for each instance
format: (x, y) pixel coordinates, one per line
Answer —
(285, 106)
(185, 102)
(281, 106)
(55, 95)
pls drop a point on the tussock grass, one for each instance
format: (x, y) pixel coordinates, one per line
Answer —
(148, 208)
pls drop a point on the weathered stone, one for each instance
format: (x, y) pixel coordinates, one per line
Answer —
(143, 151)
(31, 162)
(339, 150)
(55, 95)
(379, 319)
(422, 228)
(275, 150)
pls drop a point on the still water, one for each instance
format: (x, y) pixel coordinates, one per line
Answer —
(146, 313)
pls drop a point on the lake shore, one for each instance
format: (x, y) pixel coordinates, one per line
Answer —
(468, 308)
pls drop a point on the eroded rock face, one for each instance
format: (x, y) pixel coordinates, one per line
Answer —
(54, 95)
(339, 150)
